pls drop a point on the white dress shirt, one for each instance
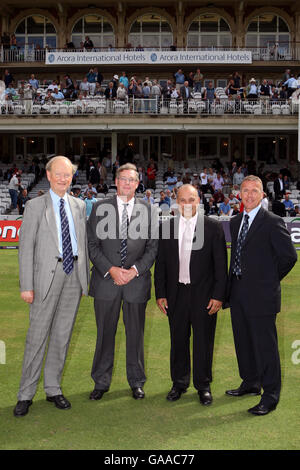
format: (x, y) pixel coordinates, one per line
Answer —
(56, 206)
(185, 239)
(129, 207)
(252, 214)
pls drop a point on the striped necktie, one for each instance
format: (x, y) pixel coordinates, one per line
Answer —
(68, 258)
(124, 233)
(237, 269)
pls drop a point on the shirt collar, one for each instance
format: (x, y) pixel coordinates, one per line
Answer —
(56, 198)
(192, 220)
(252, 213)
(121, 202)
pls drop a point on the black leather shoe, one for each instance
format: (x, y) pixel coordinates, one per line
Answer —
(205, 397)
(138, 393)
(175, 393)
(60, 402)
(22, 407)
(239, 392)
(261, 409)
(97, 394)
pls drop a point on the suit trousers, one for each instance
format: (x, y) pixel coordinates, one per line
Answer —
(256, 345)
(107, 317)
(52, 318)
(186, 315)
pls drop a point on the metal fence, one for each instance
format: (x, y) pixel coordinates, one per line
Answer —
(28, 53)
(99, 106)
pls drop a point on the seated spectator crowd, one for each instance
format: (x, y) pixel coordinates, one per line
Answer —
(218, 187)
(181, 88)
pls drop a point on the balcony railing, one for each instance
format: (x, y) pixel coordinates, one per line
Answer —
(193, 107)
(27, 53)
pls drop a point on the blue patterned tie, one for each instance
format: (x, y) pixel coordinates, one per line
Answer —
(68, 258)
(124, 229)
(241, 240)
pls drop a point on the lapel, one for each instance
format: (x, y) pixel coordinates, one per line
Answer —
(115, 205)
(75, 210)
(235, 224)
(51, 219)
(136, 214)
(174, 240)
(257, 222)
(135, 211)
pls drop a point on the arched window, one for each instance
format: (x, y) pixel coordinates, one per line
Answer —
(151, 31)
(209, 30)
(97, 28)
(37, 31)
(267, 30)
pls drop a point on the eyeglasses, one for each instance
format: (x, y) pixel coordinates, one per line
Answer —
(127, 180)
(64, 176)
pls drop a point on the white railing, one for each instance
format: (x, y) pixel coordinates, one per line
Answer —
(99, 106)
(28, 53)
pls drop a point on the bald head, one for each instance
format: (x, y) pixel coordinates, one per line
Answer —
(188, 200)
(186, 189)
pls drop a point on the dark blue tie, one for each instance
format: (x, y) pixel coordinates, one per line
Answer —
(237, 269)
(67, 252)
(124, 230)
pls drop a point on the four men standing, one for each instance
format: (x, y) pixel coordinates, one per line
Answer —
(190, 285)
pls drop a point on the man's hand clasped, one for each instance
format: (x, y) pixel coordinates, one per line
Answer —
(122, 276)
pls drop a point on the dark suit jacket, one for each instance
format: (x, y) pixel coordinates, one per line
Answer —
(183, 93)
(267, 256)
(104, 250)
(94, 176)
(277, 189)
(208, 266)
(113, 93)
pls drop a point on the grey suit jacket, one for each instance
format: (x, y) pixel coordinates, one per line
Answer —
(39, 248)
(104, 250)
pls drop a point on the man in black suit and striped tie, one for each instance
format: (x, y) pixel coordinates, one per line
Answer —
(122, 258)
(262, 254)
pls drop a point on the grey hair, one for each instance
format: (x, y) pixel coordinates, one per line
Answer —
(127, 166)
(256, 179)
(60, 157)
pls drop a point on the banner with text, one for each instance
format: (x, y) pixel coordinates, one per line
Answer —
(9, 230)
(148, 57)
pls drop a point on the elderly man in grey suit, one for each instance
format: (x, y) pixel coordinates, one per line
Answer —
(122, 252)
(54, 273)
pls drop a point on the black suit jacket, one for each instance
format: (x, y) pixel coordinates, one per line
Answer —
(267, 256)
(277, 190)
(113, 93)
(208, 265)
(183, 93)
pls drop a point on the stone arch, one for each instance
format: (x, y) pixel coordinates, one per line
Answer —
(143, 11)
(31, 12)
(276, 11)
(201, 11)
(87, 11)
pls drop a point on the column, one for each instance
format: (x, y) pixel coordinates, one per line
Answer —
(120, 33)
(239, 33)
(178, 36)
(62, 36)
(114, 146)
(297, 36)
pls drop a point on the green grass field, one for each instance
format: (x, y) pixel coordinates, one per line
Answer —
(118, 422)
